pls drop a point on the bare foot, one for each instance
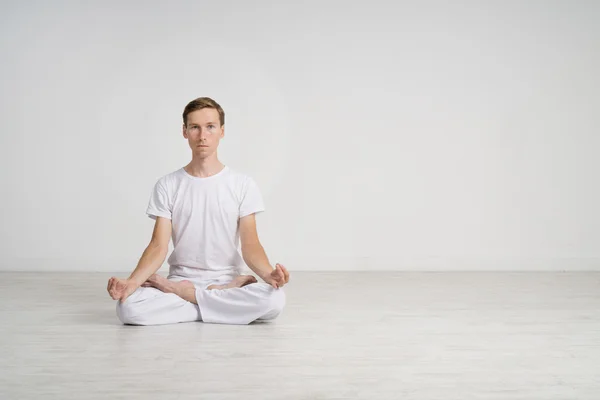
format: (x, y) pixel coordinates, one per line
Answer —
(238, 281)
(165, 285)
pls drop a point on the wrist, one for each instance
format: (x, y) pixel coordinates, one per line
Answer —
(265, 274)
(133, 281)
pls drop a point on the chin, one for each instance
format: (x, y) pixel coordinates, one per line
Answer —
(202, 154)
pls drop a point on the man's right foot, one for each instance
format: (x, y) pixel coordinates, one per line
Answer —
(238, 281)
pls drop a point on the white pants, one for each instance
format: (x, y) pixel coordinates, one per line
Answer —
(150, 306)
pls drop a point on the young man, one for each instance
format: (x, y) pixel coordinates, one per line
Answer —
(208, 209)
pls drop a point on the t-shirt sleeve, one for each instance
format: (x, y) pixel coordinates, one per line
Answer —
(159, 204)
(252, 200)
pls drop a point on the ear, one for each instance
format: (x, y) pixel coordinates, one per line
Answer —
(183, 131)
(222, 131)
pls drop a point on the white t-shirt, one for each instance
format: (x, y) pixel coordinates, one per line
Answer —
(204, 214)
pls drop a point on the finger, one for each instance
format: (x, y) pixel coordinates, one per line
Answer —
(117, 289)
(280, 274)
(113, 286)
(277, 272)
(275, 275)
(286, 274)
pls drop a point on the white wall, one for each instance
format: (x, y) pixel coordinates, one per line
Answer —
(384, 135)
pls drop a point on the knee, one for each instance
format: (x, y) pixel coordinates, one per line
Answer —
(127, 313)
(277, 300)
(275, 304)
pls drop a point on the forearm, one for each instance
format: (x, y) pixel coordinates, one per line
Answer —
(149, 263)
(256, 259)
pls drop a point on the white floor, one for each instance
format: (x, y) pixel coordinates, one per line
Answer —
(342, 336)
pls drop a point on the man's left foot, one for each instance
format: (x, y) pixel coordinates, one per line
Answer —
(165, 285)
(238, 281)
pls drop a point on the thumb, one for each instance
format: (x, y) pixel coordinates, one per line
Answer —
(270, 281)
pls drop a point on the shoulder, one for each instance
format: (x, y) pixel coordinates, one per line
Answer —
(170, 180)
(240, 179)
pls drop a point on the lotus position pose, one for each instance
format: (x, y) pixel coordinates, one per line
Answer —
(207, 209)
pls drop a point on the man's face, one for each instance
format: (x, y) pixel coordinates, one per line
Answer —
(203, 131)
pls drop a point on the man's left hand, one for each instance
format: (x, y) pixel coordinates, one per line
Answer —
(278, 277)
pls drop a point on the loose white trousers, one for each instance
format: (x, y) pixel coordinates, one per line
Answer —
(240, 306)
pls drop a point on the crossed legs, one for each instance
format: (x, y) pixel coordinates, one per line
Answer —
(165, 301)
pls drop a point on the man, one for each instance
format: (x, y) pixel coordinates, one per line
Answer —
(208, 209)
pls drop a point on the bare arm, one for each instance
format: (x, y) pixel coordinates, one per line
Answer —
(255, 257)
(150, 262)
(156, 252)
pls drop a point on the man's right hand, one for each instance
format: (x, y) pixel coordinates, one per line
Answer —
(120, 289)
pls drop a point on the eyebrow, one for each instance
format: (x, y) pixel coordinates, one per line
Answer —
(194, 123)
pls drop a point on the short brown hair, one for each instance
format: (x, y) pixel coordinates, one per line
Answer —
(199, 104)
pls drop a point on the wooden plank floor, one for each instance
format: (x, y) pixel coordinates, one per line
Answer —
(343, 335)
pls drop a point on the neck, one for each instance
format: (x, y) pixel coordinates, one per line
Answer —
(204, 167)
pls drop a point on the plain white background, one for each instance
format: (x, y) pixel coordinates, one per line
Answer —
(384, 135)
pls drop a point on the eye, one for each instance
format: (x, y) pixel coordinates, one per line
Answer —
(211, 126)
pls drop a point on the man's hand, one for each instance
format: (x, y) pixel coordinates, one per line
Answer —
(278, 277)
(120, 289)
